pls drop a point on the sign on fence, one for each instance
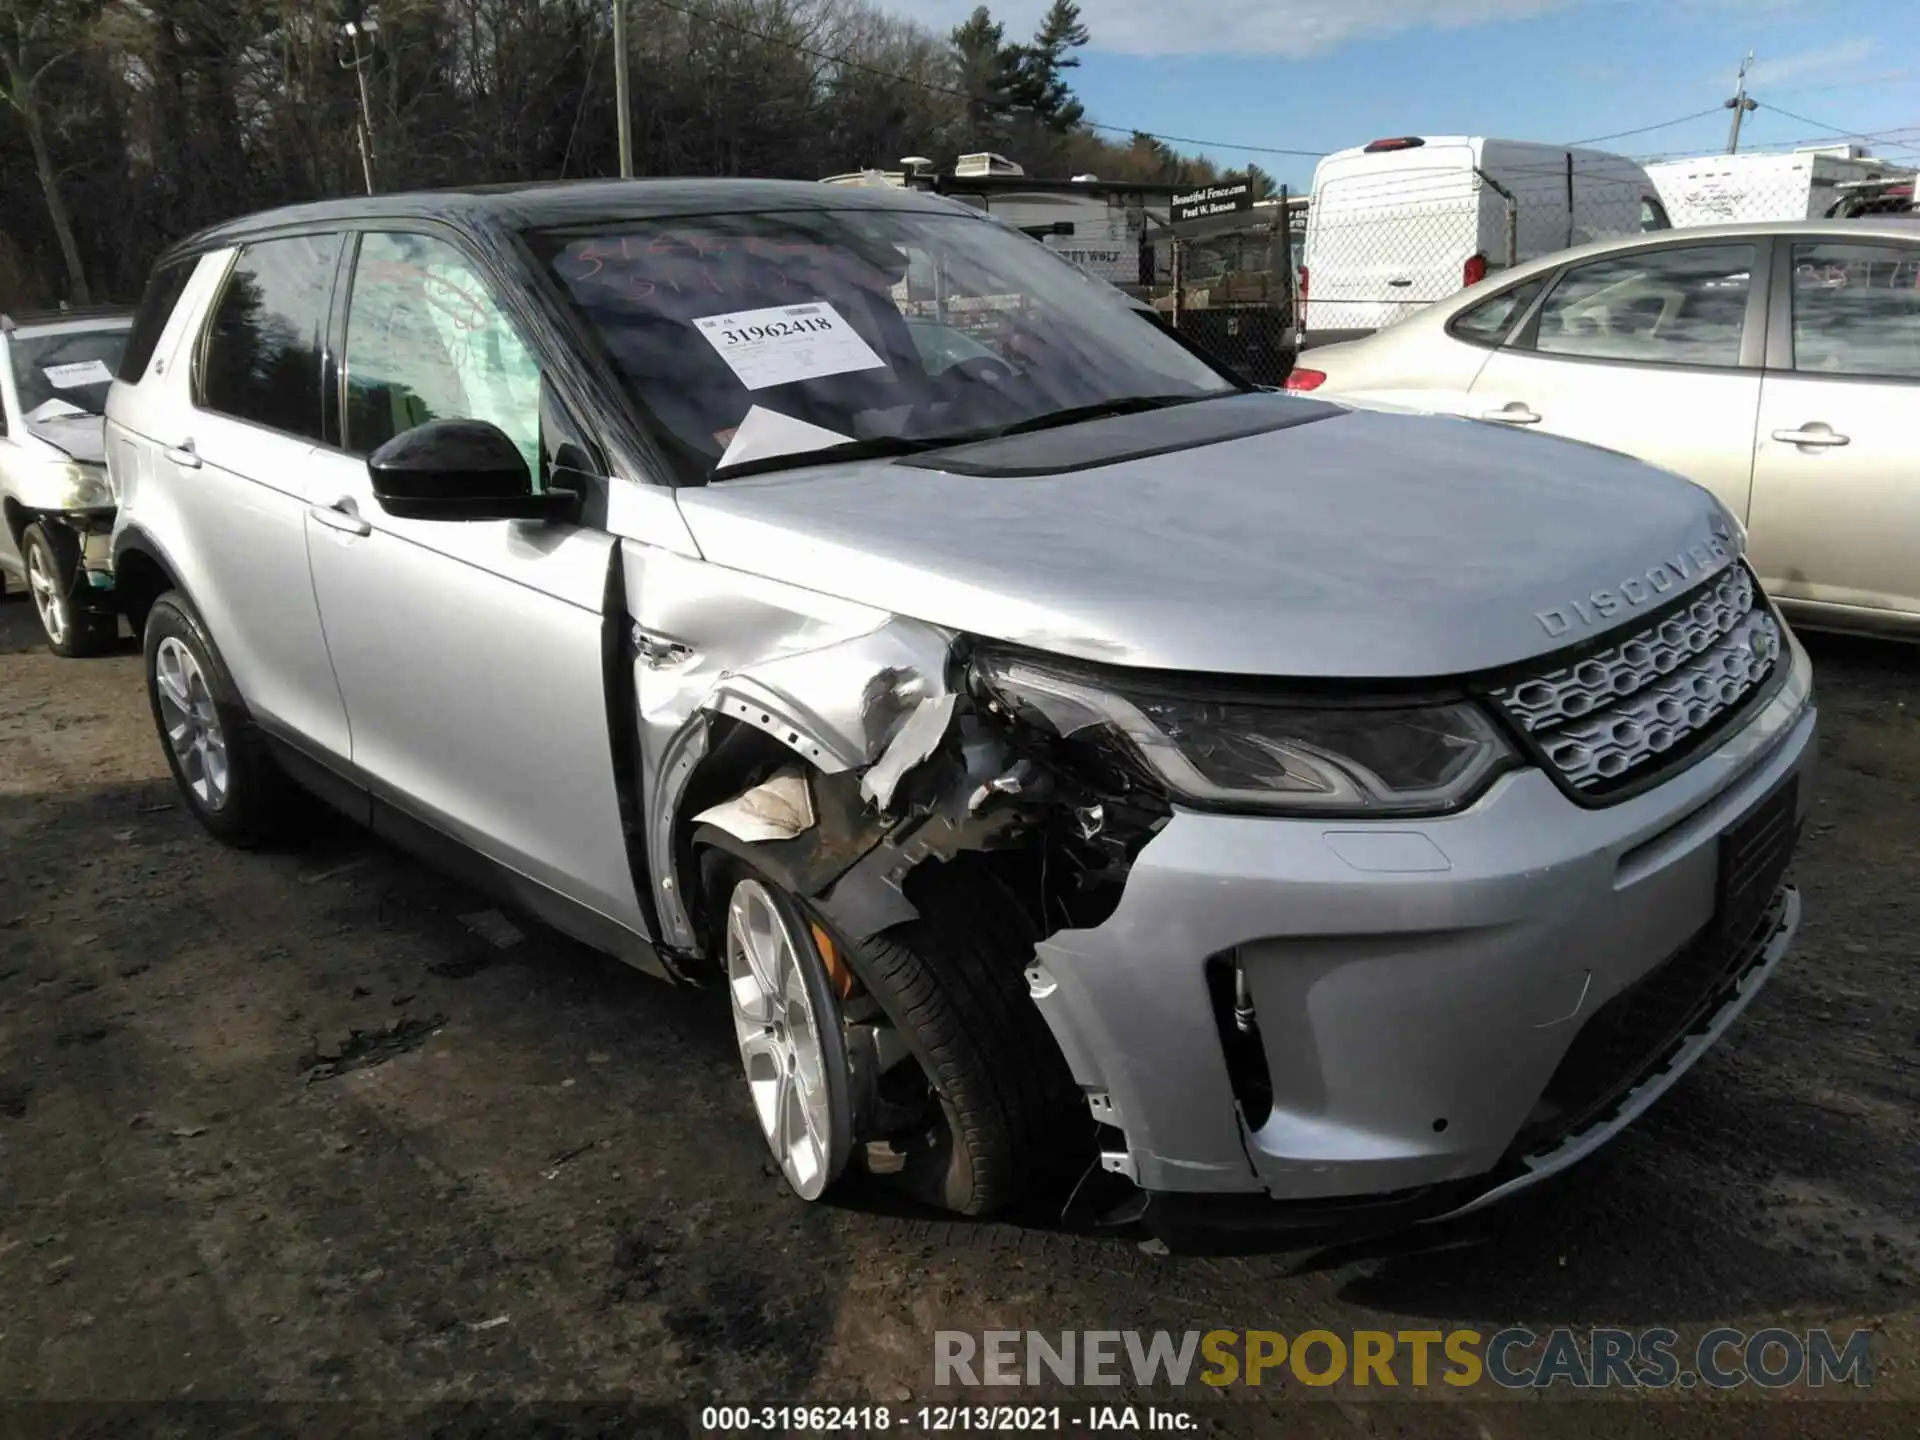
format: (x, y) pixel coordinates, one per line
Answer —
(1212, 200)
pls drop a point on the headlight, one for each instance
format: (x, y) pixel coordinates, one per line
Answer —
(86, 488)
(1311, 759)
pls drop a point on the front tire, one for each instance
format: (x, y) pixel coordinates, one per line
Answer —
(51, 559)
(218, 759)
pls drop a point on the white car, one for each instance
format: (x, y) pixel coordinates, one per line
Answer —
(55, 498)
(1775, 364)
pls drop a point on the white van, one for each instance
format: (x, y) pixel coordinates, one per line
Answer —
(1401, 223)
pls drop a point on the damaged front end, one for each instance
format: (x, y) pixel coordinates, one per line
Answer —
(845, 806)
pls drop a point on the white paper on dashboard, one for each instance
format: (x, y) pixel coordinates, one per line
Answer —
(81, 372)
(765, 433)
(784, 343)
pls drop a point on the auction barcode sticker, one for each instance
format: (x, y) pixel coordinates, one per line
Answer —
(785, 343)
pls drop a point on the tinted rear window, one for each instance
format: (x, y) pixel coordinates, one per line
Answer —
(156, 307)
(264, 346)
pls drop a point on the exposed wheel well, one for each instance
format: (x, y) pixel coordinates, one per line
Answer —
(139, 580)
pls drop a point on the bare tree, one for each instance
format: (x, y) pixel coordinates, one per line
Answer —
(38, 38)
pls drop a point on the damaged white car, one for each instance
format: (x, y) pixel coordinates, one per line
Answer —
(1075, 771)
(56, 506)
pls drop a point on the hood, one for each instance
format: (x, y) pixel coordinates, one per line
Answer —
(81, 436)
(1362, 545)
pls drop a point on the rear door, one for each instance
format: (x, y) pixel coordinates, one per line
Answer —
(1654, 352)
(1388, 234)
(1836, 486)
(230, 437)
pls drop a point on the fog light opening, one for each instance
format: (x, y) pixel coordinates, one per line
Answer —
(1238, 1023)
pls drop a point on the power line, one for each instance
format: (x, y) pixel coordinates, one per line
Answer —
(1818, 125)
(1645, 129)
(707, 17)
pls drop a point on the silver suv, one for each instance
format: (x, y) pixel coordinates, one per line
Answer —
(1069, 764)
(55, 500)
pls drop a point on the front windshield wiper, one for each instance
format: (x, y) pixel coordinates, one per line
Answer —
(880, 447)
(876, 447)
(1100, 410)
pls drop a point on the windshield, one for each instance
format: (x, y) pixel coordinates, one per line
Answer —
(66, 372)
(751, 338)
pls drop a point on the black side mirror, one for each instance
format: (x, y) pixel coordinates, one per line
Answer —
(461, 470)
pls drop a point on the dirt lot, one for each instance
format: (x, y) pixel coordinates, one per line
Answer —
(282, 1128)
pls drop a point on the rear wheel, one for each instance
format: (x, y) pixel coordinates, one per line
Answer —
(218, 759)
(52, 563)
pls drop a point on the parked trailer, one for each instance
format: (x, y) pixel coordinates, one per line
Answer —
(1797, 185)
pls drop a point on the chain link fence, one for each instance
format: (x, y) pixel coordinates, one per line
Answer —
(1229, 287)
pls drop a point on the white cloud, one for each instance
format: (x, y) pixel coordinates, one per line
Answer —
(1288, 28)
(1839, 59)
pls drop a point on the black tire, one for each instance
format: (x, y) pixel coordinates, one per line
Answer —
(953, 982)
(82, 629)
(257, 799)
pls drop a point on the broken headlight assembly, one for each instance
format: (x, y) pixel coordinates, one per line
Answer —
(1279, 756)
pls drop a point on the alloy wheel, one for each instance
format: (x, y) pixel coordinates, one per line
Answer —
(192, 723)
(779, 1033)
(47, 599)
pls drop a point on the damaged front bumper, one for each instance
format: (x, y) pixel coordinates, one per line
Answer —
(1433, 1004)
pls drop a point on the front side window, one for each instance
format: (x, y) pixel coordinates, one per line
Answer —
(1856, 310)
(1685, 305)
(263, 348)
(64, 373)
(427, 341)
(752, 338)
(1490, 320)
(1653, 215)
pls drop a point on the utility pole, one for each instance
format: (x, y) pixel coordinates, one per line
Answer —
(620, 92)
(354, 29)
(1739, 104)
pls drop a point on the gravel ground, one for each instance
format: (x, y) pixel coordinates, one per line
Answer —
(283, 1129)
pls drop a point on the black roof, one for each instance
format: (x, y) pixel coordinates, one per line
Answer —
(560, 204)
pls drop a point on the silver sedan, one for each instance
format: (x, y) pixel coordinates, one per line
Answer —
(1777, 365)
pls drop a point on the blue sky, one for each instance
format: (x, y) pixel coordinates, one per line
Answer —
(1323, 74)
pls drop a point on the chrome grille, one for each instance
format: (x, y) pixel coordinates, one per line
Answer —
(1607, 715)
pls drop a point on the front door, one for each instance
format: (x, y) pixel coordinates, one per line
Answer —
(472, 654)
(1836, 487)
(1643, 353)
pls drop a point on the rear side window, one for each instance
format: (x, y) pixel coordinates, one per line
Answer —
(263, 348)
(1488, 322)
(163, 292)
(1682, 305)
(1856, 310)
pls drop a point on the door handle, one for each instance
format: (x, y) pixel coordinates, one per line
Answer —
(1513, 413)
(342, 515)
(183, 454)
(1816, 434)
